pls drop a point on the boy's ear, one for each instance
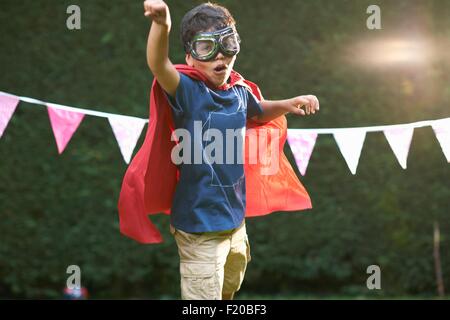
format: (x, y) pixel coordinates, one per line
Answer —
(189, 60)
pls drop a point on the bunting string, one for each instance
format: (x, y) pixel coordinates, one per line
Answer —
(67, 108)
(65, 120)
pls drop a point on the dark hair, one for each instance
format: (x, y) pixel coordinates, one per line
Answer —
(205, 17)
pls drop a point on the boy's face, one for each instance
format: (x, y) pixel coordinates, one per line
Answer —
(214, 52)
(217, 70)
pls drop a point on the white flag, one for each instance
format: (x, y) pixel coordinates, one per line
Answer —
(127, 131)
(399, 139)
(350, 143)
(442, 131)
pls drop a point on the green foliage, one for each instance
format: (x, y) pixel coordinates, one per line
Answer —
(61, 210)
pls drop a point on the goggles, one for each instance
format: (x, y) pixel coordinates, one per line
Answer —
(206, 45)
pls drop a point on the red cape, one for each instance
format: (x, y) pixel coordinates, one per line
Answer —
(150, 180)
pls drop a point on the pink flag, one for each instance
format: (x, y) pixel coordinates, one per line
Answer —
(302, 145)
(64, 124)
(127, 131)
(442, 130)
(350, 143)
(8, 105)
(400, 140)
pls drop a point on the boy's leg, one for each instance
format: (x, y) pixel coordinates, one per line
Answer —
(202, 260)
(236, 263)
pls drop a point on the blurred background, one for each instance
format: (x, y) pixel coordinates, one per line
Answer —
(61, 210)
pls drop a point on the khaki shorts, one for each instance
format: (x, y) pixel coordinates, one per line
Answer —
(212, 263)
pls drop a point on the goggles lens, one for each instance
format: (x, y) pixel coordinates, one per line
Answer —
(206, 45)
(230, 43)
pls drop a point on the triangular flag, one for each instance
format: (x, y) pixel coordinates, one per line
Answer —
(442, 130)
(302, 145)
(350, 143)
(64, 124)
(399, 139)
(127, 131)
(8, 105)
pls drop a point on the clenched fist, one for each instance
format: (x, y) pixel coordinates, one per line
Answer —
(158, 11)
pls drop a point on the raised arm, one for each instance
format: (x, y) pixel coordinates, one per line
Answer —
(158, 45)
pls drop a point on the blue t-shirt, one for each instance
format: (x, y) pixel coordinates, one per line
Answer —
(210, 194)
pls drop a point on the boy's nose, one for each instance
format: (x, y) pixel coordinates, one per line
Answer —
(220, 55)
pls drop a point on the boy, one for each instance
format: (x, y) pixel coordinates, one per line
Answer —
(208, 209)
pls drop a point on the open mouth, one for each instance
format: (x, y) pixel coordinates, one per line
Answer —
(220, 68)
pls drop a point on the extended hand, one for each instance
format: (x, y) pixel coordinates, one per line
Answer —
(310, 102)
(158, 11)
